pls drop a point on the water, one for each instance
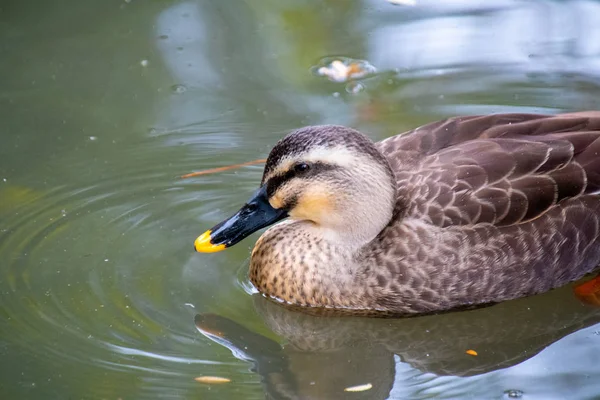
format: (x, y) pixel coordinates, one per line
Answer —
(104, 104)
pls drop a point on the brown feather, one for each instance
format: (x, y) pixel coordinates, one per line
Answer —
(482, 161)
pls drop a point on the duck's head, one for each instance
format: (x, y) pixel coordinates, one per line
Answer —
(331, 177)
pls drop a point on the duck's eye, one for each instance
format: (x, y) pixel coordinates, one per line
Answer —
(301, 167)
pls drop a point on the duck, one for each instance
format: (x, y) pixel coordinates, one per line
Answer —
(464, 212)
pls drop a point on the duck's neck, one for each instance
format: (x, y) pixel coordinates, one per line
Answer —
(316, 263)
(299, 263)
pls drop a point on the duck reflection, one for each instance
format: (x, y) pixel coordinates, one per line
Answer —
(355, 357)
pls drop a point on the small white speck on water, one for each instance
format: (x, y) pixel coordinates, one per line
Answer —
(4, 179)
(354, 87)
(144, 63)
(513, 394)
(359, 388)
(178, 89)
(106, 260)
(93, 138)
(212, 379)
(190, 305)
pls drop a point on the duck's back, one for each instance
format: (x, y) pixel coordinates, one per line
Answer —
(502, 169)
(492, 208)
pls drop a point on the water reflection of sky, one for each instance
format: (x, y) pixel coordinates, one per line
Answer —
(566, 369)
(529, 36)
(466, 47)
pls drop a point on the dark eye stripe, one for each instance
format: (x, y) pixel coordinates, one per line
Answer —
(275, 182)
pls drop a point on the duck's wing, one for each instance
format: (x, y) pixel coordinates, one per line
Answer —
(501, 169)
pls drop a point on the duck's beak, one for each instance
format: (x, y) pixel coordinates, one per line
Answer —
(254, 215)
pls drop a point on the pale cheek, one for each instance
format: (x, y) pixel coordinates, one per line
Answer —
(276, 201)
(316, 209)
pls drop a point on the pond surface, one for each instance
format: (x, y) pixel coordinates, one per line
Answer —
(105, 103)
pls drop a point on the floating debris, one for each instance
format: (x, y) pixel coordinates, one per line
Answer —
(359, 388)
(403, 2)
(212, 379)
(342, 70)
(471, 352)
(221, 169)
(144, 63)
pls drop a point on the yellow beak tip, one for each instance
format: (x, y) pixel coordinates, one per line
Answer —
(203, 244)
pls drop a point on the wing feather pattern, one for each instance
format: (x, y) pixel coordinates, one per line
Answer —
(504, 170)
